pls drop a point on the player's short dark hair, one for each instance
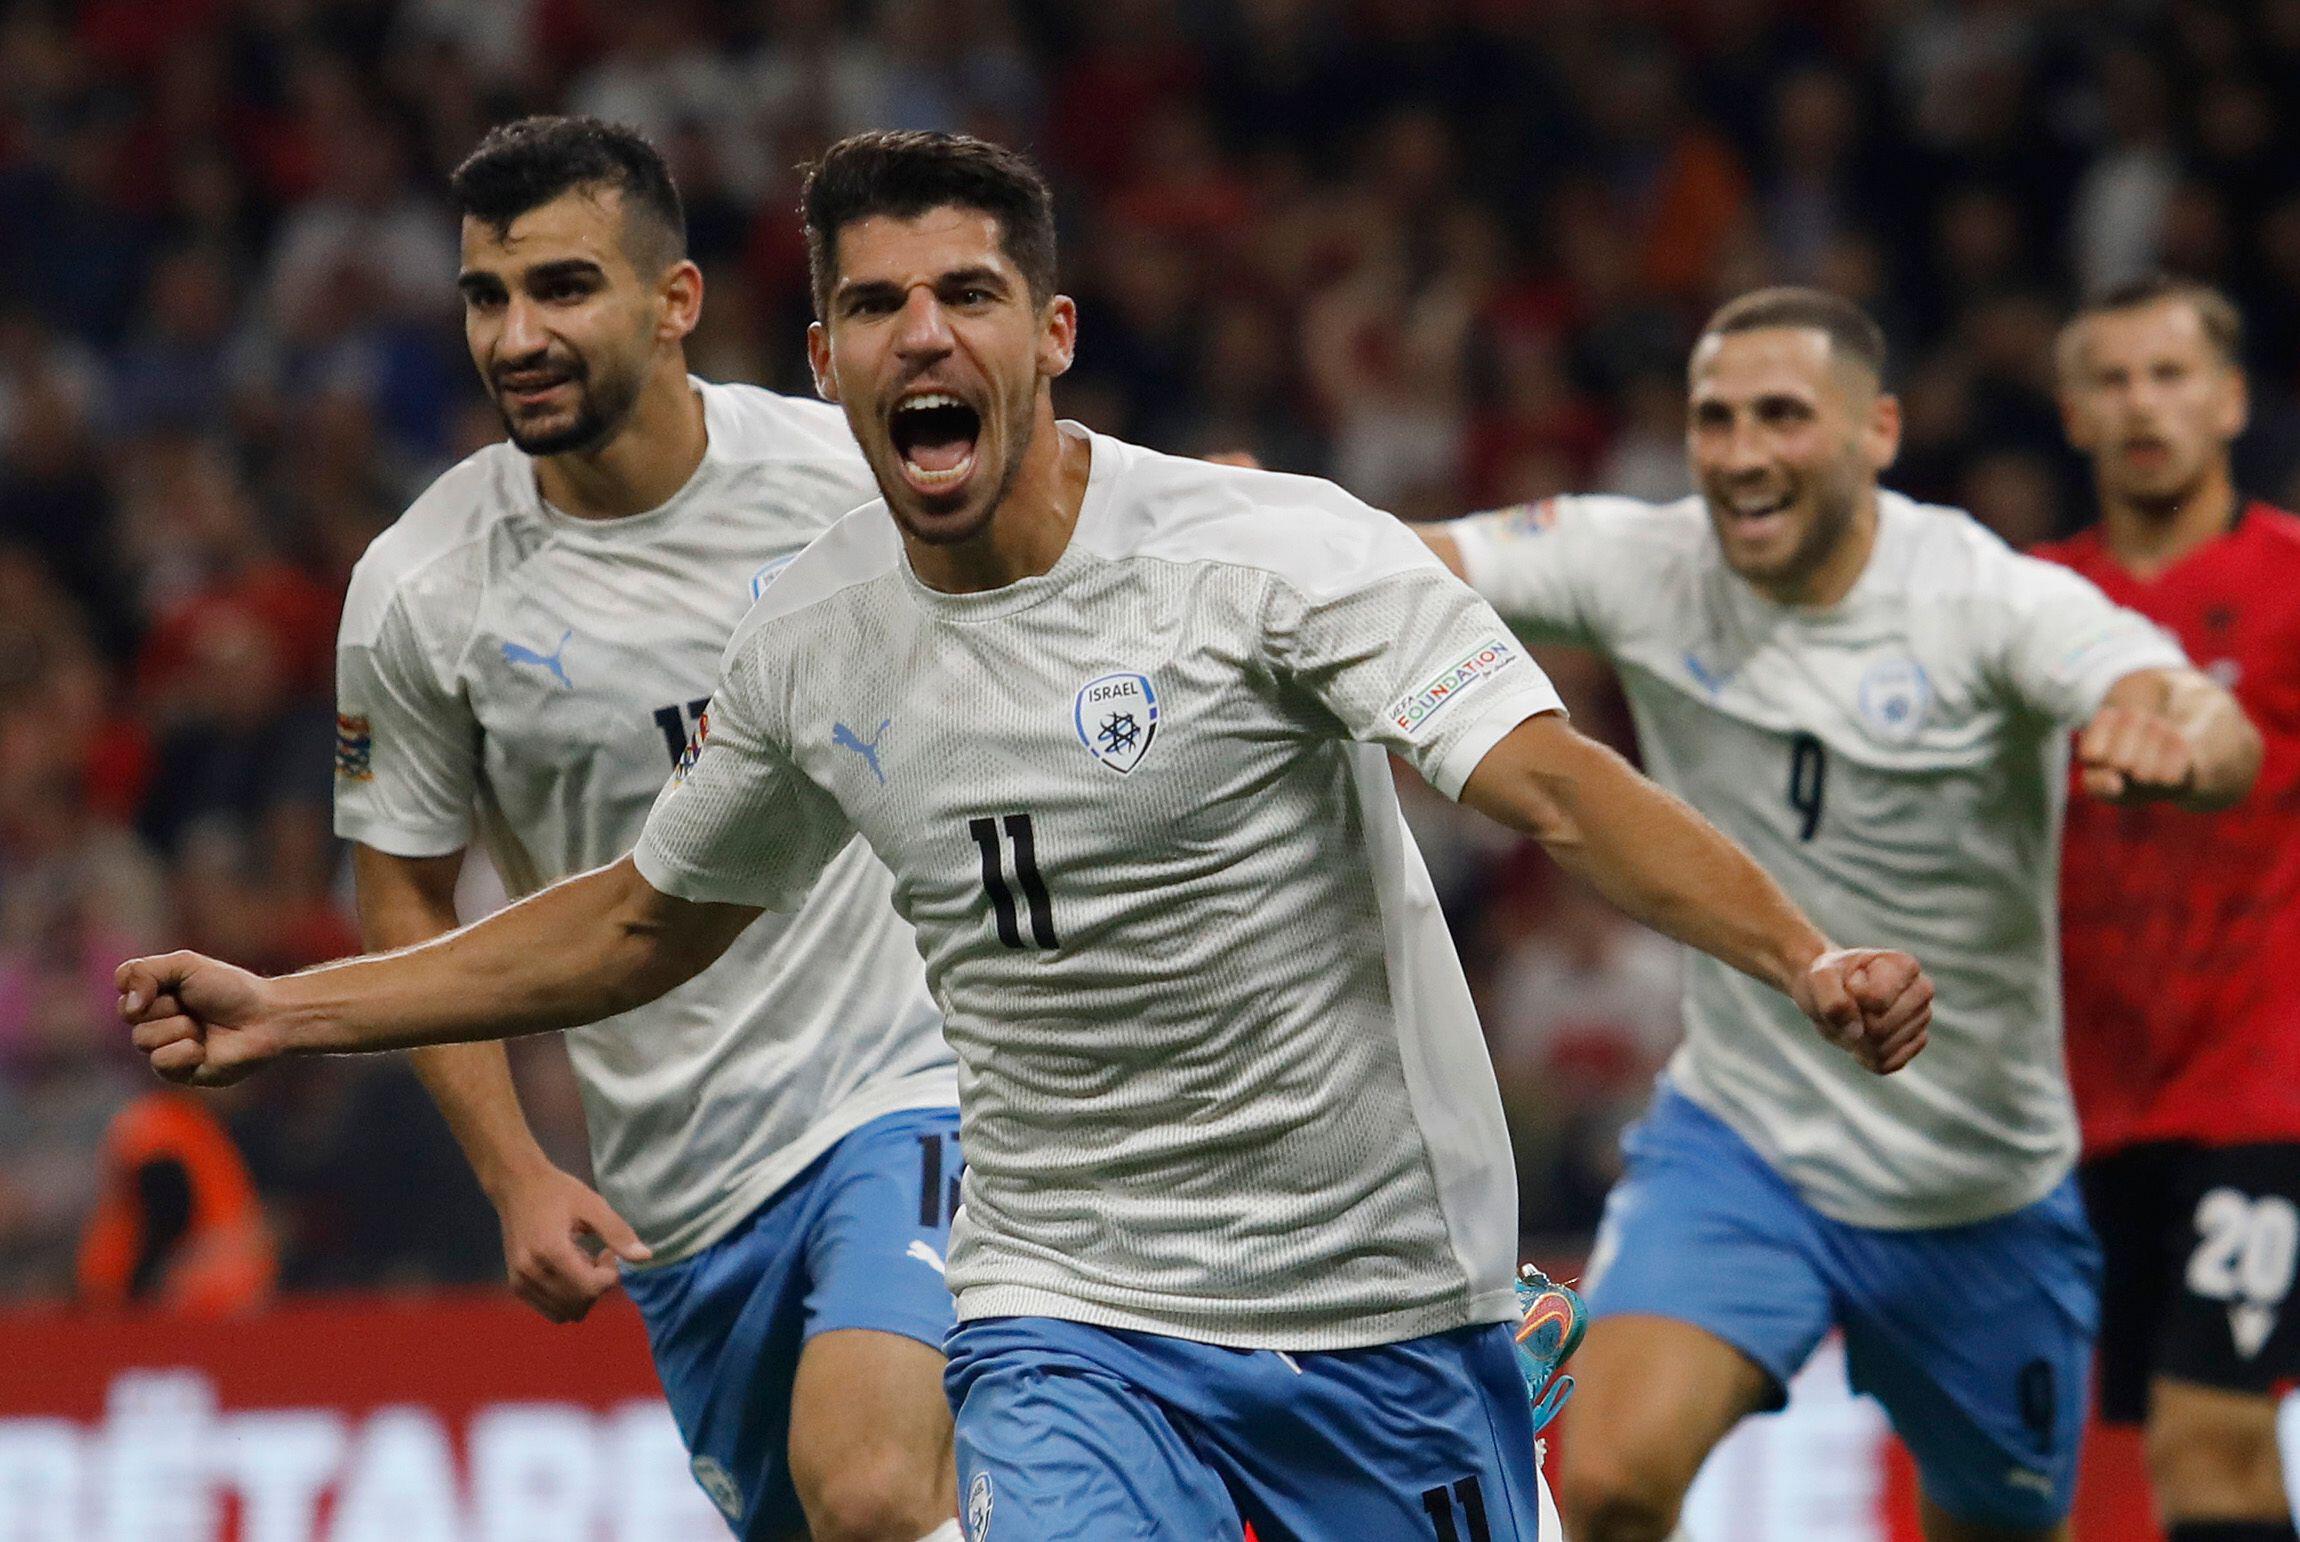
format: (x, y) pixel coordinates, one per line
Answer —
(902, 174)
(523, 165)
(1852, 333)
(2223, 323)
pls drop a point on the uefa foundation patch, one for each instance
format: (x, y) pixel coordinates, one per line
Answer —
(354, 748)
(1413, 711)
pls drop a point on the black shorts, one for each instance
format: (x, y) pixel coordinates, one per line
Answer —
(2200, 1244)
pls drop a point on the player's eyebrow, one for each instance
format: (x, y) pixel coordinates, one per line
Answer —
(484, 281)
(979, 275)
(861, 291)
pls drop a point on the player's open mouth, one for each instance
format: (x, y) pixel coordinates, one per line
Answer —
(934, 435)
(1757, 514)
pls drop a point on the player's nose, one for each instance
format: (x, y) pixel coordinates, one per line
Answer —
(922, 327)
(523, 332)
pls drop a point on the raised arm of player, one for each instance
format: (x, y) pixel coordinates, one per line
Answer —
(558, 1233)
(1660, 861)
(589, 947)
(2172, 734)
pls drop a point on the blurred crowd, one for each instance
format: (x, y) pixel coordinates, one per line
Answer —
(1449, 251)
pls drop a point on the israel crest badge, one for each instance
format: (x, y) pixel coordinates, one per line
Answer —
(1894, 697)
(1117, 716)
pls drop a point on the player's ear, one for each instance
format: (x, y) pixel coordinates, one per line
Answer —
(1058, 338)
(819, 360)
(682, 294)
(1881, 437)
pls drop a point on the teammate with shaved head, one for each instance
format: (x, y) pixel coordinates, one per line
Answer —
(1874, 697)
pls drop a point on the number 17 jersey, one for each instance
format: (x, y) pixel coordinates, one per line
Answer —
(1218, 1067)
(1897, 762)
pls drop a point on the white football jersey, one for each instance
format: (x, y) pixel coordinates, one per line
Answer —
(507, 665)
(1898, 762)
(1218, 1066)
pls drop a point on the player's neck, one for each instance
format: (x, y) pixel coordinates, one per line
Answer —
(1831, 579)
(2145, 539)
(644, 465)
(1030, 528)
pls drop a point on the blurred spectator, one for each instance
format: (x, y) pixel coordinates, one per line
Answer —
(177, 1225)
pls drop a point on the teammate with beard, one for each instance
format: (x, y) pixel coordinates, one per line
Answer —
(2183, 1006)
(1239, 1236)
(1875, 698)
(527, 650)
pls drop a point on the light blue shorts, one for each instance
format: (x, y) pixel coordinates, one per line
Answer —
(1068, 1432)
(857, 1240)
(1976, 1339)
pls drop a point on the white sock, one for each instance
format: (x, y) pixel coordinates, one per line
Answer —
(1546, 1522)
(946, 1532)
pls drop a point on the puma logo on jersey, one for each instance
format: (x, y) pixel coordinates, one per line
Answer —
(927, 1256)
(514, 653)
(844, 737)
(1709, 680)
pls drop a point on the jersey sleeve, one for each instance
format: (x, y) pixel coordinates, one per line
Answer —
(739, 823)
(406, 743)
(1542, 566)
(1404, 654)
(2065, 643)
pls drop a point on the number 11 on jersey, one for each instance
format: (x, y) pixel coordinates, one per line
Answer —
(1025, 843)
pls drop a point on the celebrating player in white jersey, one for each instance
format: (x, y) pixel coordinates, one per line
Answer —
(1239, 1233)
(1875, 698)
(532, 644)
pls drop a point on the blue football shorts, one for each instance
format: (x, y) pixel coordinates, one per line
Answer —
(856, 1240)
(1977, 1339)
(1067, 1431)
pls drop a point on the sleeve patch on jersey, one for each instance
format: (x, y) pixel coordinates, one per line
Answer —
(1413, 711)
(2071, 665)
(354, 748)
(694, 749)
(768, 572)
(1529, 518)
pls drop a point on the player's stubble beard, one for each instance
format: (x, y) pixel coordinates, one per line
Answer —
(603, 403)
(1834, 491)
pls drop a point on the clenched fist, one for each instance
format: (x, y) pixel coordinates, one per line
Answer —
(203, 1023)
(2132, 756)
(1874, 1004)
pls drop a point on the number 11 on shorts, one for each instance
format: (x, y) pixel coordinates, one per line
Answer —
(1469, 1499)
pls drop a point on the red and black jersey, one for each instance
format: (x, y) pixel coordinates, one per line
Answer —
(2181, 931)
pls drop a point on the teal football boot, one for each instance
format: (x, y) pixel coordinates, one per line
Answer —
(1550, 1330)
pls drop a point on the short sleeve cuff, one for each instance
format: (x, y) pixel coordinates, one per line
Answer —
(1475, 543)
(2149, 650)
(670, 876)
(1465, 749)
(398, 838)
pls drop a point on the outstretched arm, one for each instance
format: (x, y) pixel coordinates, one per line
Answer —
(2169, 734)
(1666, 866)
(586, 948)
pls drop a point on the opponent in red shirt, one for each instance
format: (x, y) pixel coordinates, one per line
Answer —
(2181, 930)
